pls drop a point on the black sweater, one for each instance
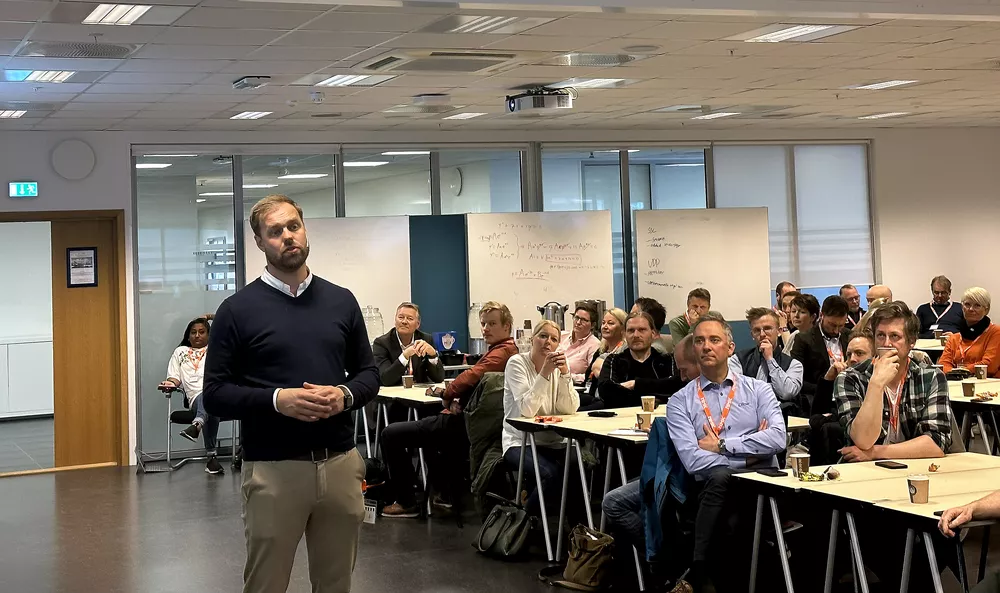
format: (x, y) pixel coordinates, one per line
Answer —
(653, 376)
(263, 339)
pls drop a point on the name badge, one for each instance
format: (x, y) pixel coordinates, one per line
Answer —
(934, 327)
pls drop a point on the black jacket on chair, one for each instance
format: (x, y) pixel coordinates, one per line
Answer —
(387, 351)
(810, 350)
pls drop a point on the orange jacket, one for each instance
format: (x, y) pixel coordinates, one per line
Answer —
(968, 353)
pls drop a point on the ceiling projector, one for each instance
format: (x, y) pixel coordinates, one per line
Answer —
(540, 100)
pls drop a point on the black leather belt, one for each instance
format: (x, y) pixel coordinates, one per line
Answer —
(317, 455)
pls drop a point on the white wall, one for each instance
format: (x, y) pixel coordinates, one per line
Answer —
(26, 301)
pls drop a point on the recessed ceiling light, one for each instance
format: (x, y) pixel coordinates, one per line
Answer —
(115, 14)
(785, 32)
(592, 60)
(169, 156)
(260, 185)
(717, 115)
(153, 165)
(251, 115)
(11, 114)
(303, 176)
(216, 193)
(878, 86)
(37, 75)
(495, 25)
(683, 108)
(463, 116)
(366, 164)
(200, 200)
(885, 115)
(341, 80)
(591, 83)
(405, 152)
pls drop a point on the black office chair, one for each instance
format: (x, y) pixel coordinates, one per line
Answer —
(185, 417)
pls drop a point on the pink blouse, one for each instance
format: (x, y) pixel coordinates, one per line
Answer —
(579, 353)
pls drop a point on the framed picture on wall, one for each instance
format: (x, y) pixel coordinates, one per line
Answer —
(81, 267)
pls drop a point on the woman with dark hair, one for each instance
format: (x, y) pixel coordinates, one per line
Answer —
(186, 371)
(805, 314)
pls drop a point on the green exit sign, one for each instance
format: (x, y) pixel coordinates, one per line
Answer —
(23, 189)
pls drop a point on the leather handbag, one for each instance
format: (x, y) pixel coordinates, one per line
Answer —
(505, 531)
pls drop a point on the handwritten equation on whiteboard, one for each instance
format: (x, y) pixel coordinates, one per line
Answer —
(538, 259)
(655, 274)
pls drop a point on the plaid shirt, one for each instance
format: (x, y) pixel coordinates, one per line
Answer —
(924, 407)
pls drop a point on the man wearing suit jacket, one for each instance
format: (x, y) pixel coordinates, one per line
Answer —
(406, 350)
(821, 346)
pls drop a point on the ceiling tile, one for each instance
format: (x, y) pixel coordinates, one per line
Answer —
(395, 22)
(207, 36)
(13, 30)
(593, 27)
(246, 18)
(326, 54)
(274, 67)
(539, 43)
(131, 78)
(183, 52)
(149, 65)
(694, 30)
(25, 12)
(84, 33)
(145, 89)
(340, 39)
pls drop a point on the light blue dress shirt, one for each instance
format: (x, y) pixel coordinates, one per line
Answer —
(754, 401)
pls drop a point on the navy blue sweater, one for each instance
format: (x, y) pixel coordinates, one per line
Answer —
(263, 339)
(951, 318)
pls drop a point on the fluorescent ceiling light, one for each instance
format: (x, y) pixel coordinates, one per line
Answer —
(591, 83)
(259, 186)
(790, 32)
(716, 115)
(463, 116)
(200, 200)
(483, 24)
(885, 115)
(115, 14)
(405, 152)
(251, 115)
(878, 86)
(42, 75)
(153, 165)
(216, 193)
(303, 176)
(366, 164)
(11, 114)
(342, 80)
(169, 156)
(779, 32)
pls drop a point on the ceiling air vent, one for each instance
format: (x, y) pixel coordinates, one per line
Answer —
(592, 60)
(439, 61)
(45, 49)
(385, 63)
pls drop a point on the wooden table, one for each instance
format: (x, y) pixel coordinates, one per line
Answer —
(983, 410)
(796, 424)
(961, 478)
(929, 345)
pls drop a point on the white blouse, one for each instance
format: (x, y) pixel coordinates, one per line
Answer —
(527, 394)
(188, 366)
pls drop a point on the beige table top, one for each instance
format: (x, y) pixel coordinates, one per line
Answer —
(416, 394)
(797, 424)
(955, 392)
(934, 503)
(581, 425)
(929, 344)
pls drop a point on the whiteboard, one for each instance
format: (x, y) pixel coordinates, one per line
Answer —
(370, 256)
(724, 250)
(526, 259)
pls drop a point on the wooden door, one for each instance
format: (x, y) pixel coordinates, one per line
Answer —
(87, 347)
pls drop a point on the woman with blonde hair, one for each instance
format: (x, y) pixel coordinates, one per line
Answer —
(612, 342)
(538, 383)
(978, 340)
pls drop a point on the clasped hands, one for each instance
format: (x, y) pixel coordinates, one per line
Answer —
(311, 402)
(419, 348)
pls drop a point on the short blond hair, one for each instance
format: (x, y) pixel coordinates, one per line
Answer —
(978, 295)
(265, 206)
(505, 316)
(543, 324)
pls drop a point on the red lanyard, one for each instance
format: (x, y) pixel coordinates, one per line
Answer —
(835, 357)
(894, 402)
(196, 356)
(936, 316)
(725, 410)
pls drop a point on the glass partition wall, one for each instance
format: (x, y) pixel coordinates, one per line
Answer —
(188, 250)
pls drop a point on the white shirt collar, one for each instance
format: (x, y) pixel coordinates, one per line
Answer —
(273, 282)
(403, 346)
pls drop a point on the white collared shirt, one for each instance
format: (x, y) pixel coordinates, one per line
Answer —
(406, 361)
(273, 282)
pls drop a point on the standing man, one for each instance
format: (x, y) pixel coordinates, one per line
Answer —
(638, 371)
(406, 350)
(819, 347)
(941, 313)
(854, 311)
(290, 356)
(699, 301)
(766, 361)
(721, 423)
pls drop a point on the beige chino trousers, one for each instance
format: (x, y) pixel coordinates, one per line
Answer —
(284, 499)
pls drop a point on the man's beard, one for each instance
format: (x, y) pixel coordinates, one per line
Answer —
(289, 262)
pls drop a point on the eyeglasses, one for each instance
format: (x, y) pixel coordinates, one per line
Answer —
(971, 305)
(854, 299)
(940, 292)
(579, 319)
(760, 331)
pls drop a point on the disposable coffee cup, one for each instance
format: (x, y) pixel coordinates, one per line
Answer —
(920, 488)
(969, 387)
(648, 403)
(643, 420)
(944, 340)
(980, 371)
(407, 381)
(799, 463)
(938, 333)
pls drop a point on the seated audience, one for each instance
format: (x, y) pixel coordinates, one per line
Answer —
(819, 346)
(876, 292)
(186, 371)
(977, 340)
(699, 301)
(986, 508)
(538, 383)
(765, 361)
(443, 436)
(612, 342)
(919, 418)
(747, 435)
(406, 350)
(849, 293)
(941, 313)
(785, 326)
(805, 314)
(659, 314)
(580, 344)
(826, 436)
(638, 371)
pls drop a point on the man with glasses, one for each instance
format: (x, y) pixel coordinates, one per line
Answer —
(580, 344)
(854, 311)
(766, 361)
(941, 313)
